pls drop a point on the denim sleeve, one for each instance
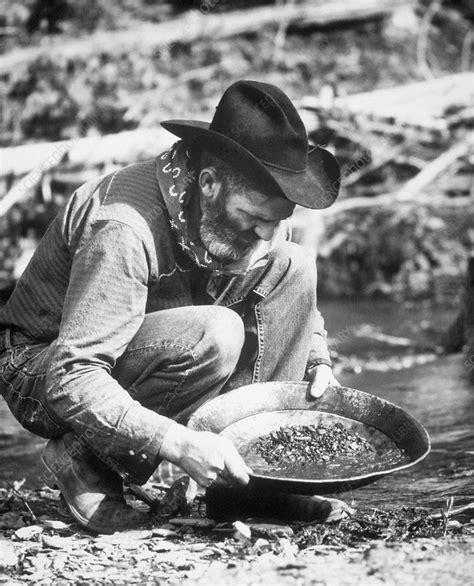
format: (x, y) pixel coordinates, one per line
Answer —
(103, 309)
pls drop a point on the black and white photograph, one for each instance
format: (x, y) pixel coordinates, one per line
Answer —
(237, 292)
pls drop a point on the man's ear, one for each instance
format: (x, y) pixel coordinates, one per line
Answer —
(209, 184)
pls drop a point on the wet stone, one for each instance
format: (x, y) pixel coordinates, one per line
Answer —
(304, 444)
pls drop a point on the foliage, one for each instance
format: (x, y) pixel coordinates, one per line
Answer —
(20, 231)
(397, 252)
(37, 17)
(42, 106)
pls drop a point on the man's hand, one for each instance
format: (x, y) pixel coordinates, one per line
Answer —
(205, 456)
(320, 378)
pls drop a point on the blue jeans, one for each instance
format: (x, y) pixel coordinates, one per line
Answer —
(184, 356)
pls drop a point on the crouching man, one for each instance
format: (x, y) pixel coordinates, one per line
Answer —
(158, 287)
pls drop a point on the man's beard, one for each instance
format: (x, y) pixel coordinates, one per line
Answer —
(221, 235)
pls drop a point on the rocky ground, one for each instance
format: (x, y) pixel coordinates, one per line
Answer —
(39, 544)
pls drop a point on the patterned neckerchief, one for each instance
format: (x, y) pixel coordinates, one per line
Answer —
(177, 178)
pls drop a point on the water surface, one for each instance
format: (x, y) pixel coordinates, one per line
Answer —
(438, 393)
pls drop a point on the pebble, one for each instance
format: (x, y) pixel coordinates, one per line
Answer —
(242, 531)
(30, 532)
(261, 545)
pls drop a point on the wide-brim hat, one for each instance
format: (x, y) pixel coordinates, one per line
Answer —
(257, 130)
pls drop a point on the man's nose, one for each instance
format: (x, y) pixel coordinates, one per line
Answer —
(265, 231)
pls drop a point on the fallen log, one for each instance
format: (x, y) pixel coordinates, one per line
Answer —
(121, 148)
(412, 190)
(388, 199)
(433, 169)
(198, 24)
(420, 105)
(22, 189)
(100, 152)
(71, 180)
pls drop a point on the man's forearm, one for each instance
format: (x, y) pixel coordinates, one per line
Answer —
(107, 418)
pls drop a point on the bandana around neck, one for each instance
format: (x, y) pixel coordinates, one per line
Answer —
(177, 178)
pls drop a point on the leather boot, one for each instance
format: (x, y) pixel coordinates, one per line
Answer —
(93, 493)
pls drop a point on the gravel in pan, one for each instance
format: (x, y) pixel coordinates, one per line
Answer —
(303, 444)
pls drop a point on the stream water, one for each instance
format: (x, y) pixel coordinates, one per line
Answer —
(438, 393)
